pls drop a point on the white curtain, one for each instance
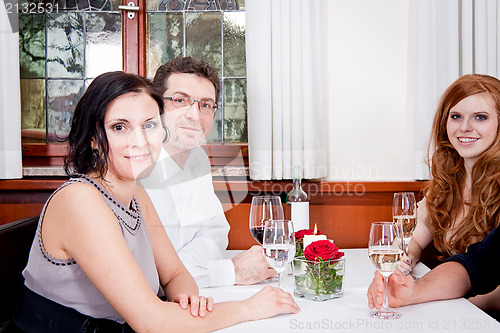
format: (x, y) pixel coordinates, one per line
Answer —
(286, 84)
(10, 100)
(454, 38)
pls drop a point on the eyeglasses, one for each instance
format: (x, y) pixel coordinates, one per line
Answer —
(185, 102)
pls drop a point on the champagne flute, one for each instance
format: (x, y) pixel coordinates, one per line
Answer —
(385, 253)
(279, 245)
(264, 208)
(404, 213)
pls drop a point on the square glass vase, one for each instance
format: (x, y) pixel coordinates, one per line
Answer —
(318, 281)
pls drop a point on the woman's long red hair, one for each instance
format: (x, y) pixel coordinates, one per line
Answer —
(444, 191)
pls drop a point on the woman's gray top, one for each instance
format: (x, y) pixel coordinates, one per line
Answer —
(64, 282)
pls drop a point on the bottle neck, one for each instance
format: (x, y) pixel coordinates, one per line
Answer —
(297, 183)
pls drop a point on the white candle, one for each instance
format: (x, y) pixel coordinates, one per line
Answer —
(308, 239)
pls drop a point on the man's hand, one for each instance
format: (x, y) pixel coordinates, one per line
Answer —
(399, 292)
(250, 266)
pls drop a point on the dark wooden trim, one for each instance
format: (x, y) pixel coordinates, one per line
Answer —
(45, 149)
(52, 154)
(142, 28)
(30, 184)
(325, 187)
(130, 39)
(340, 209)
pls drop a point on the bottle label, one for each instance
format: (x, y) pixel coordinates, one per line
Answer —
(300, 215)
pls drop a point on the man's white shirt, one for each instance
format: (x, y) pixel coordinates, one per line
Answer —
(192, 216)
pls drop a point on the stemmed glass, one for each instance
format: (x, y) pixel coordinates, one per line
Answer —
(404, 213)
(279, 245)
(264, 208)
(385, 253)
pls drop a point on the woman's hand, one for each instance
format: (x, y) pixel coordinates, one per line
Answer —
(405, 266)
(199, 304)
(270, 302)
(400, 290)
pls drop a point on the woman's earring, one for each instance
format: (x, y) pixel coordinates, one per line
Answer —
(95, 157)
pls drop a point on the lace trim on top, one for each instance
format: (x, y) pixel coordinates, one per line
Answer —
(134, 212)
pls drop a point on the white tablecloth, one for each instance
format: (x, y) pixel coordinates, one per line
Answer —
(350, 313)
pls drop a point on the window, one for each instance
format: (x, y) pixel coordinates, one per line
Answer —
(63, 49)
(213, 30)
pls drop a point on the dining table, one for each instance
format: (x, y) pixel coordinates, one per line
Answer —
(350, 313)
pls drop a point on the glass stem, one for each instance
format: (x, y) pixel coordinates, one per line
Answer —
(406, 243)
(385, 305)
(279, 280)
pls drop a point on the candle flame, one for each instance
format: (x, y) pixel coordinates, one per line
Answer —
(315, 228)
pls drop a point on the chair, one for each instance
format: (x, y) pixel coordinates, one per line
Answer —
(15, 243)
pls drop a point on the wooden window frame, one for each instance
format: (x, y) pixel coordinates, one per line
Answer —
(221, 155)
(134, 61)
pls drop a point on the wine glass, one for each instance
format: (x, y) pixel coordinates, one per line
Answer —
(385, 253)
(279, 245)
(264, 208)
(404, 213)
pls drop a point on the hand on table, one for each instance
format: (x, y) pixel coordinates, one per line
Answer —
(270, 302)
(400, 289)
(199, 304)
(250, 266)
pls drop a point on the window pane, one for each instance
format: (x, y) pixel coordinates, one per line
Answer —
(213, 30)
(33, 119)
(62, 97)
(78, 39)
(103, 51)
(235, 110)
(203, 37)
(32, 45)
(86, 5)
(234, 44)
(164, 39)
(197, 5)
(230, 4)
(216, 131)
(65, 45)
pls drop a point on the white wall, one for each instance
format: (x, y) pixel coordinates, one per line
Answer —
(371, 119)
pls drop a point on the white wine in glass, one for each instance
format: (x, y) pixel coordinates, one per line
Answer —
(404, 215)
(279, 245)
(385, 253)
(264, 208)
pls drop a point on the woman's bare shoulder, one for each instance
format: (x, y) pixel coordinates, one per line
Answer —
(76, 198)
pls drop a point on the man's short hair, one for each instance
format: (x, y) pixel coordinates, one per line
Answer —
(189, 65)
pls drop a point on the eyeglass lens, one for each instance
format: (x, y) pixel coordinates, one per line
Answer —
(181, 102)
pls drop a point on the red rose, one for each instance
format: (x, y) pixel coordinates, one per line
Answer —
(299, 235)
(322, 249)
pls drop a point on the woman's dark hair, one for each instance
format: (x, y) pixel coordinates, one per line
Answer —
(88, 120)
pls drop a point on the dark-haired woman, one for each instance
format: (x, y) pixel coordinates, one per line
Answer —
(100, 254)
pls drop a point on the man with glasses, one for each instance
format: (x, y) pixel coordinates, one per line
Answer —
(180, 185)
